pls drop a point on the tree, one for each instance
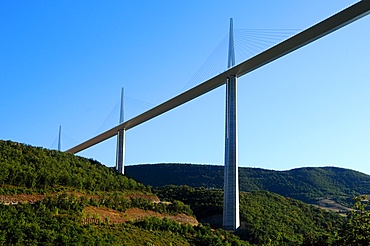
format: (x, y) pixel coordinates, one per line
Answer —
(357, 229)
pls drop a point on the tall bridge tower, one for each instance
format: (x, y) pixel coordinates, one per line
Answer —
(231, 217)
(120, 152)
(60, 139)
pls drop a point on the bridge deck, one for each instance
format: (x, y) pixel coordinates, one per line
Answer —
(307, 36)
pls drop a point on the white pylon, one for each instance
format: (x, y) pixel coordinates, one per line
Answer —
(60, 139)
(120, 152)
(231, 217)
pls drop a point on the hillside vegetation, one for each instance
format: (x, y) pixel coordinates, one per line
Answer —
(305, 184)
(41, 169)
(46, 198)
(53, 198)
(265, 217)
(61, 221)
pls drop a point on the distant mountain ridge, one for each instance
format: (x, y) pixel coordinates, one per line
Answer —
(307, 184)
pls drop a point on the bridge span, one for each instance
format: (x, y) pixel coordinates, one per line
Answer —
(335, 22)
(231, 185)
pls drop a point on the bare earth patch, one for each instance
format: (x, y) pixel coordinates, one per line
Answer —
(102, 214)
(152, 198)
(132, 214)
(20, 198)
(331, 205)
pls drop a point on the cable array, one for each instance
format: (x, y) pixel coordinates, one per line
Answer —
(132, 108)
(248, 42)
(213, 65)
(135, 106)
(67, 140)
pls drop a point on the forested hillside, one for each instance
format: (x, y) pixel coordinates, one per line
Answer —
(63, 220)
(42, 169)
(305, 184)
(265, 217)
(53, 198)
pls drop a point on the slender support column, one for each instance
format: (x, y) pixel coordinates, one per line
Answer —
(231, 217)
(120, 159)
(60, 139)
(120, 152)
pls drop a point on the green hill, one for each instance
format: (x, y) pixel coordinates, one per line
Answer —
(305, 184)
(41, 169)
(53, 198)
(265, 217)
(46, 197)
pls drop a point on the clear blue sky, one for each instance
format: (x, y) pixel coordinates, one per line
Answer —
(64, 63)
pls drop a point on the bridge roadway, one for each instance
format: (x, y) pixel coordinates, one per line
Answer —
(342, 18)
